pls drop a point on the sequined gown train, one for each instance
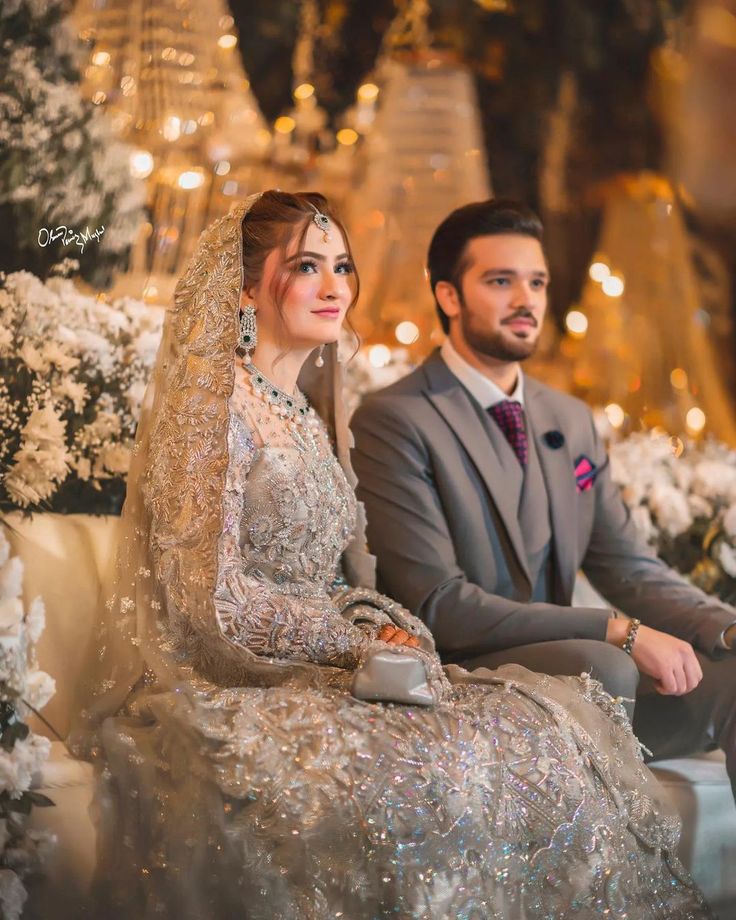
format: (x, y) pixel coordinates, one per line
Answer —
(518, 796)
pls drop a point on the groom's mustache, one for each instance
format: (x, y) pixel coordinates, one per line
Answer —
(521, 313)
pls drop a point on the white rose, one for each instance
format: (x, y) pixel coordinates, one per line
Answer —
(714, 479)
(11, 578)
(36, 619)
(83, 467)
(72, 390)
(727, 558)
(32, 357)
(53, 354)
(670, 509)
(40, 687)
(12, 895)
(134, 397)
(643, 523)
(729, 521)
(4, 547)
(115, 458)
(699, 506)
(11, 614)
(6, 339)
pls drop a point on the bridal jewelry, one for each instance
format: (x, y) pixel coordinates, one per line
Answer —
(280, 402)
(319, 360)
(248, 332)
(322, 222)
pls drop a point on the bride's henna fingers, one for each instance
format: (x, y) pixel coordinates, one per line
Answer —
(412, 641)
(399, 637)
(386, 632)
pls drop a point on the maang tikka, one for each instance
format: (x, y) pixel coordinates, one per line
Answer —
(322, 222)
(248, 331)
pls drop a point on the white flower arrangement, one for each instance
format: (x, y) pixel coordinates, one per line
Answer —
(73, 371)
(682, 498)
(23, 688)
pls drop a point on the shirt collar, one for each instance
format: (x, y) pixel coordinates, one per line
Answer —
(485, 391)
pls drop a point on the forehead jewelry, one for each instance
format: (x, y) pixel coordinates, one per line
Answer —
(322, 222)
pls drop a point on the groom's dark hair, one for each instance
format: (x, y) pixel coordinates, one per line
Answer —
(447, 257)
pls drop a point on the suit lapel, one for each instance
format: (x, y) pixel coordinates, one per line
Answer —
(558, 470)
(455, 406)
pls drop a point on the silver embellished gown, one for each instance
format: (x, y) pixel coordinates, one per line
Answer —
(516, 796)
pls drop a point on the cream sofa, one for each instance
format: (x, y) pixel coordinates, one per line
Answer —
(64, 556)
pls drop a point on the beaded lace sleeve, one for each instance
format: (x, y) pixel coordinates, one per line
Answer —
(252, 612)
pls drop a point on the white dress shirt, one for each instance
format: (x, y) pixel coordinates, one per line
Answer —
(484, 390)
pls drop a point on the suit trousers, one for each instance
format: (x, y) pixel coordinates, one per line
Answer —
(669, 726)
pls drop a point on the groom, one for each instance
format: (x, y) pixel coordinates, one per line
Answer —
(486, 491)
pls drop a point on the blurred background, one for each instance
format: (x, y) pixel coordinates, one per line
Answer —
(613, 120)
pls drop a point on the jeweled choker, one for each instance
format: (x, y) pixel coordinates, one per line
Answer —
(280, 402)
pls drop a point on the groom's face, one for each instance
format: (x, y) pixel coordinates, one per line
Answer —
(503, 296)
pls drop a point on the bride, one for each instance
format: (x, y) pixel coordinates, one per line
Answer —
(275, 739)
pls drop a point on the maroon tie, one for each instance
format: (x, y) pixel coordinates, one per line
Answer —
(509, 416)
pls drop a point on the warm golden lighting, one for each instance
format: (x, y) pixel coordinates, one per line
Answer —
(227, 41)
(190, 179)
(101, 58)
(172, 128)
(99, 97)
(368, 92)
(599, 271)
(347, 137)
(613, 286)
(222, 168)
(150, 293)
(695, 420)
(230, 188)
(678, 379)
(207, 118)
(141, 164)
(379, 355)
(576, 323)
(226, 22)
(304, 91)
(169, 54)
(127, 85)
(284, 124)
(407, 332)
(615, 415)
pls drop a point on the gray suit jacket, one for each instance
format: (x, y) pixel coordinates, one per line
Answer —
(443, 522)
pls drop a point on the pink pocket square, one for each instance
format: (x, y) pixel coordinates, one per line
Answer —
(585, 473)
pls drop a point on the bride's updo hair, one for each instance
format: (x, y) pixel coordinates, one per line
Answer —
(274, 221)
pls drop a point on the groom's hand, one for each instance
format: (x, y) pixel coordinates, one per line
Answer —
(669, 660)
(395, 636)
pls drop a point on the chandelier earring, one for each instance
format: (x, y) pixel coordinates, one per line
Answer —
(320, 361)
(248, 331)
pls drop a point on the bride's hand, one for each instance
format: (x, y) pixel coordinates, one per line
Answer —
(395, 636)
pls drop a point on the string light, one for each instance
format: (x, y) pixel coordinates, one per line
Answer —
(101, 58)
(379, 355)
(613, 286)
(347, 137)
(284, 124)
(141, 164)
(695, 420)
(615, 415)
(304, 91)
(407, 332)
(576, 323)
(599, 271)
(190, 179)
(368, 92)
(678, 379)
(172, 128)
(227, 41)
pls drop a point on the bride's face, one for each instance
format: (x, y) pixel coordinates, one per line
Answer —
(320, 290)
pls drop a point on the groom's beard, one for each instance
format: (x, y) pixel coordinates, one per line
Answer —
(495, 344)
